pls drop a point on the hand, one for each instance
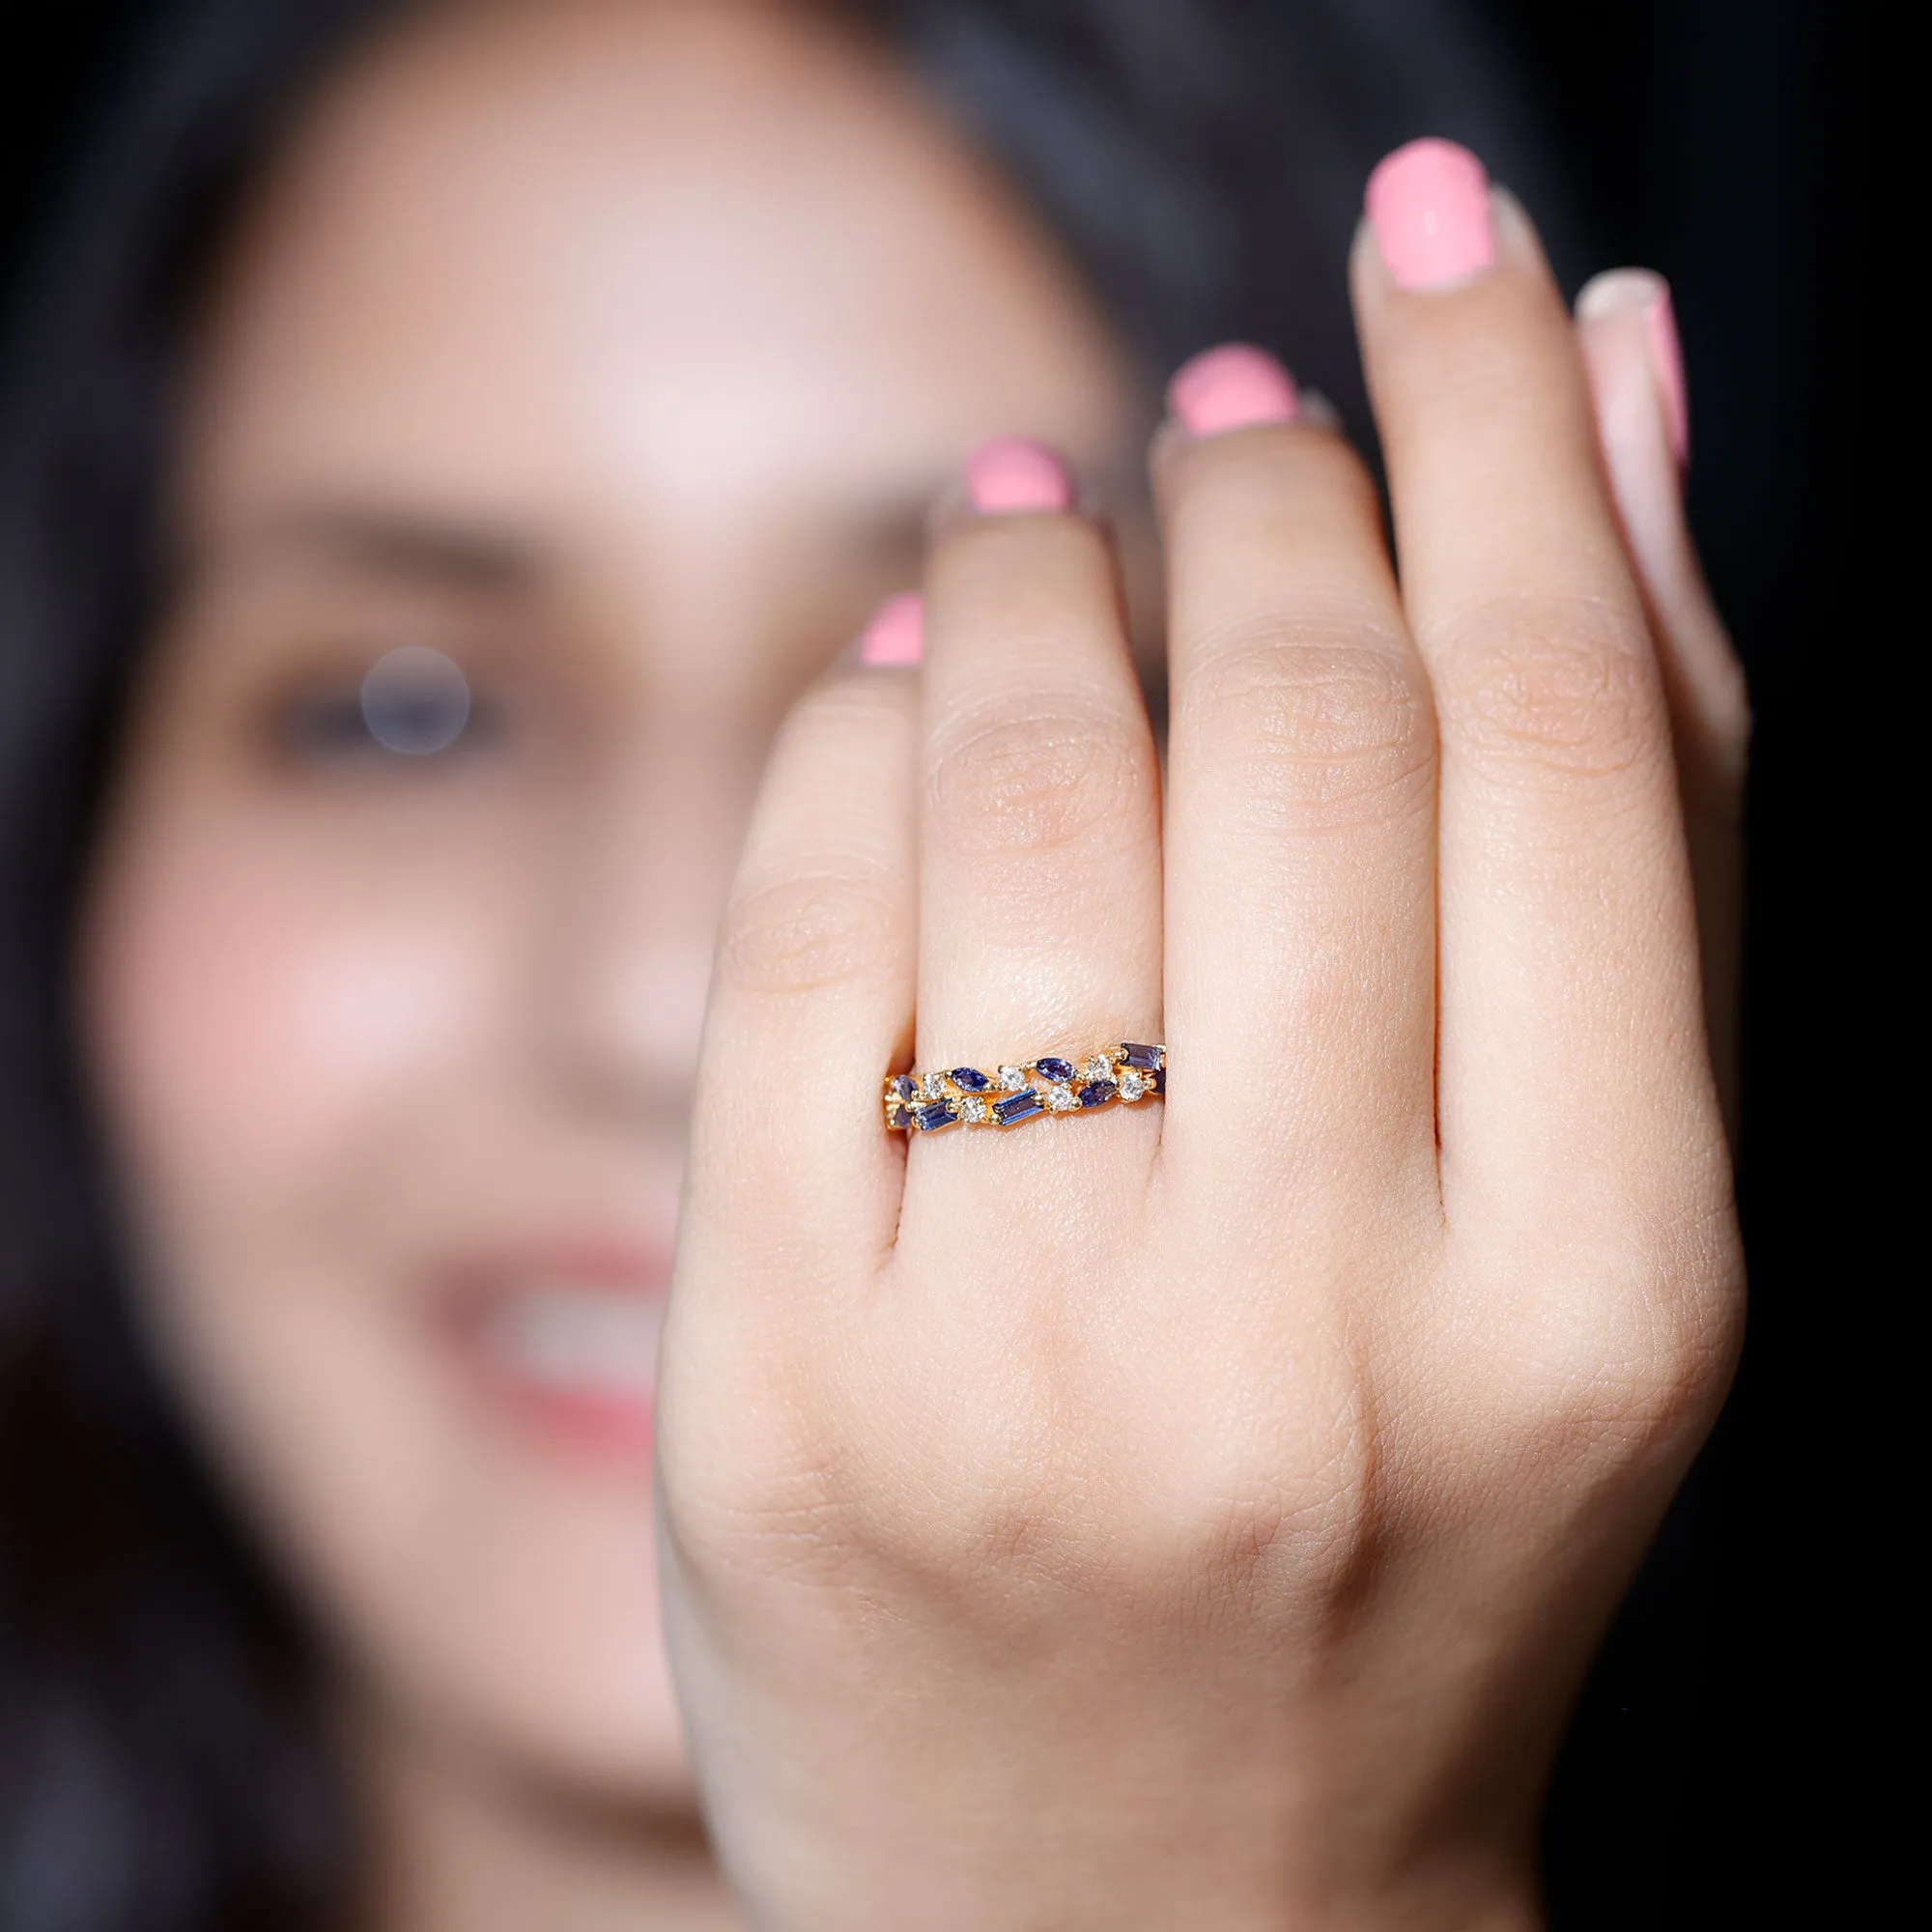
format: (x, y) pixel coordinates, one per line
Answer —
(1201, 1512)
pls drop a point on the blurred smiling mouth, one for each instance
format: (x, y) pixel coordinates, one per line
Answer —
(570, 1353)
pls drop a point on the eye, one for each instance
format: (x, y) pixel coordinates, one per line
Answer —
(413, 703)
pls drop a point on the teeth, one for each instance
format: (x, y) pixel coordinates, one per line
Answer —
(573, 1342)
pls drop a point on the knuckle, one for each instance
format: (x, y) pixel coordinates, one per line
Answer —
(1271, 471)
(846, 724)
(1311, 1534)
(848, 705)
(1034, 783)
(1694, 1316)
(1729, 704)
(1570, 690)
(806, 934)
(1636, 1353)
(1322, 728)
(1712, 711)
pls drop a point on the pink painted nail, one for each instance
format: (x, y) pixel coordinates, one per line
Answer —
(1667, 359)
(1016, 474)
(1234, 387)
(896, 634)
(1428, 204)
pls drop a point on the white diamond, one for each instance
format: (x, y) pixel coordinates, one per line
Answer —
(1132, 1086)
(934, 1088)
(972, 1108)
(1060, 1099)
(1099, 1067)
(1012, 1079)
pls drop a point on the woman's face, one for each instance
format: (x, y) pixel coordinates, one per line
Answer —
(607, 354)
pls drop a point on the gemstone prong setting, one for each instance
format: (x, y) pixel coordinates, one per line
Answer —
(1129, 1073)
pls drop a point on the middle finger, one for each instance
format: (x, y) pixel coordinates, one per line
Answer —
(1301, 823)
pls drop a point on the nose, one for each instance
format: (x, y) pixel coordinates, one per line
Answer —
(643, 861)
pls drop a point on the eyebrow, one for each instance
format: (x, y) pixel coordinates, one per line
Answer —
(398, 544)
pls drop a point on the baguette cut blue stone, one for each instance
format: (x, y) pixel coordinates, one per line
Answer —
(970, 1078)
(1019, 1107)
(1056, 1070)
(1148, 1059)
(1097, 1092)
(930, 1119)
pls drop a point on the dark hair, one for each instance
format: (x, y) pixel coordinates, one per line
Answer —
(161, 1762)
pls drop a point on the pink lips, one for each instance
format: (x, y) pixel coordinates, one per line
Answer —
(562, 1342)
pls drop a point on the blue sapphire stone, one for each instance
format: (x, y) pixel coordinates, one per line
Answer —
(906, 1088)
(1056, 1070)
(1147, 1058)
(1019, 1107)
(970, 1078)
(940, 1114)
(1097, 1092)
(896, 1116)
(1158, 1080)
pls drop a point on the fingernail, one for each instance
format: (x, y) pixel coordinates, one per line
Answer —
(896, 634)
(1643, 291)
(1234, 387)
(1428, 204)
(1017, 475)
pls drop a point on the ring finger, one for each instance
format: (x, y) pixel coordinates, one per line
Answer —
(1039, 881)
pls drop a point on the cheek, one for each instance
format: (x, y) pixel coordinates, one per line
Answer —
(251, 1017)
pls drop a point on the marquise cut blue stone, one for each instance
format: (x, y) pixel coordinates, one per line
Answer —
(1020, 1107)
(906, 1087)
(1147, 1058)
(1157, 1080)
(940, 1114)
(970, 1078)
(1056, 1070)
(1097, 1092)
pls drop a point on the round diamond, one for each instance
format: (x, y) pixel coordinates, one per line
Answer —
(1099, 1067)
(1131, 1086)
(972, 1109)
(1012, 1079)
(1060, 1099)
(935, 1087)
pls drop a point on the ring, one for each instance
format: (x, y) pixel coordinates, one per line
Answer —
(965, 1096)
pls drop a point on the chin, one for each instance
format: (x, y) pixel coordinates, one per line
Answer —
(465, 1504)
(547, 1664)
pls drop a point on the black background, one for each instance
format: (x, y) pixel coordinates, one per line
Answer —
(1722, 142)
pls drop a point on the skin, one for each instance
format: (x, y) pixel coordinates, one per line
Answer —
(1257, 1491)
(614, 352)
